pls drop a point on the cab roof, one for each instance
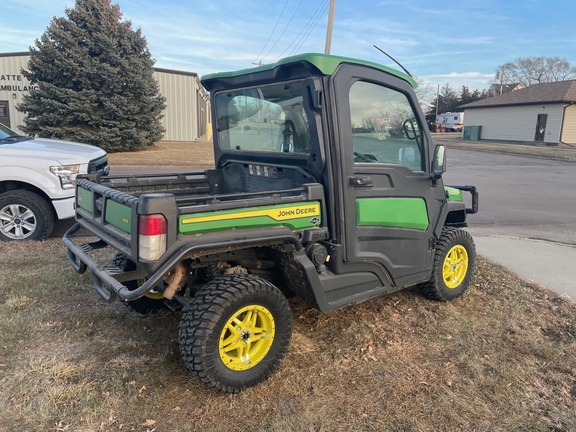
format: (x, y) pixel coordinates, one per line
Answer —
(326, 64)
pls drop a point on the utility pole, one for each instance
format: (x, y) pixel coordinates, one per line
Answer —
(437, 97)
(329, 28)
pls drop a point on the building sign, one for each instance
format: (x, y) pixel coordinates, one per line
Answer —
(15, 83)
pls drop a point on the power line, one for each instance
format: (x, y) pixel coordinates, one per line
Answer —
(311, 24)
(307, 29)
(269, 37)
(284, 31)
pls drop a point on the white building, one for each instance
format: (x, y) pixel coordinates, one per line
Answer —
(186, 114)
(539, 113)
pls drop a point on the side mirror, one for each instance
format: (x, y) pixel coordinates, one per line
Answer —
(439, 161)
(411, 129)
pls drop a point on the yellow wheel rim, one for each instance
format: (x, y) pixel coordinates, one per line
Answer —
(455, 266)
(246, 338)
(153, 294)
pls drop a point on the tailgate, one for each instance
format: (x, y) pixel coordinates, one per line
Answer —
(110, 207)
(113, 215)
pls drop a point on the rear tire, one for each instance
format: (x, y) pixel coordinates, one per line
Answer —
(24, 215)
(453, 265)
(235, 332)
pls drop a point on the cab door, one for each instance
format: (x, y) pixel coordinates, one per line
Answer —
(390, 203)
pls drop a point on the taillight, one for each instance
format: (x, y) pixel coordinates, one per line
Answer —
(151, 237)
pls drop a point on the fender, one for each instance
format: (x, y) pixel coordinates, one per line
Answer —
(43, 180)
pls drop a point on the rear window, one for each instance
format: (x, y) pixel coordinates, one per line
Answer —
(269, 118)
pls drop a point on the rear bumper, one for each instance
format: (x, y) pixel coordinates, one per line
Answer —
(106, 280)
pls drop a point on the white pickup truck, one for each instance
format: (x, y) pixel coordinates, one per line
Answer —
(37, 182)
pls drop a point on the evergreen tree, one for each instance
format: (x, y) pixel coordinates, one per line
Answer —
(465, 96)
(95, 81)
(449, 101)
(477, 95)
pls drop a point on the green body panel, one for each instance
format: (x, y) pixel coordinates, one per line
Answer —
(326, 64)
(392, 212)
(119, 216)
(85, 199)
(295, 216)
(453, 194)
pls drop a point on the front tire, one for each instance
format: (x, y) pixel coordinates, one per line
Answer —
(24, 215)
(453, 265)
(235, 332)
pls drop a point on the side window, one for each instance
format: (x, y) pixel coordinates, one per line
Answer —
(384, 127)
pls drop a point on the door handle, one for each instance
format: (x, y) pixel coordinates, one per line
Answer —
(360, 181)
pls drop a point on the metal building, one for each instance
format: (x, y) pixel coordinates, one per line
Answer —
(186, 115)
(541, 113)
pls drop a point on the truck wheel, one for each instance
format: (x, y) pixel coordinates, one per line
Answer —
(235, 332)
(152, 302)
(24, 215)
(453, 265)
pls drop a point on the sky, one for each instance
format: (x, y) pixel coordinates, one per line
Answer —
(460, 42)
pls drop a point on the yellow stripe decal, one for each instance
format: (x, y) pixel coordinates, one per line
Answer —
(278, 214)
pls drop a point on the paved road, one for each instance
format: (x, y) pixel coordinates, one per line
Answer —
(527, 217)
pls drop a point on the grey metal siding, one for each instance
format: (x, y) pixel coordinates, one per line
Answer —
(179, 114)
(187, 102)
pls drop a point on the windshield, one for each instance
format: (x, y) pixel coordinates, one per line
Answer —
(5, 132)
(268, 118)
(9, 136)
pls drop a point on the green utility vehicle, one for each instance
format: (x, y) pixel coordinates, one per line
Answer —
(326, 186)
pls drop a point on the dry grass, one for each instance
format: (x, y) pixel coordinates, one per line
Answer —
(168, 153)
(502, 358)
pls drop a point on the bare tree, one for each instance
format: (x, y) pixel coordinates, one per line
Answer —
(424, 93)
(535, 70)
